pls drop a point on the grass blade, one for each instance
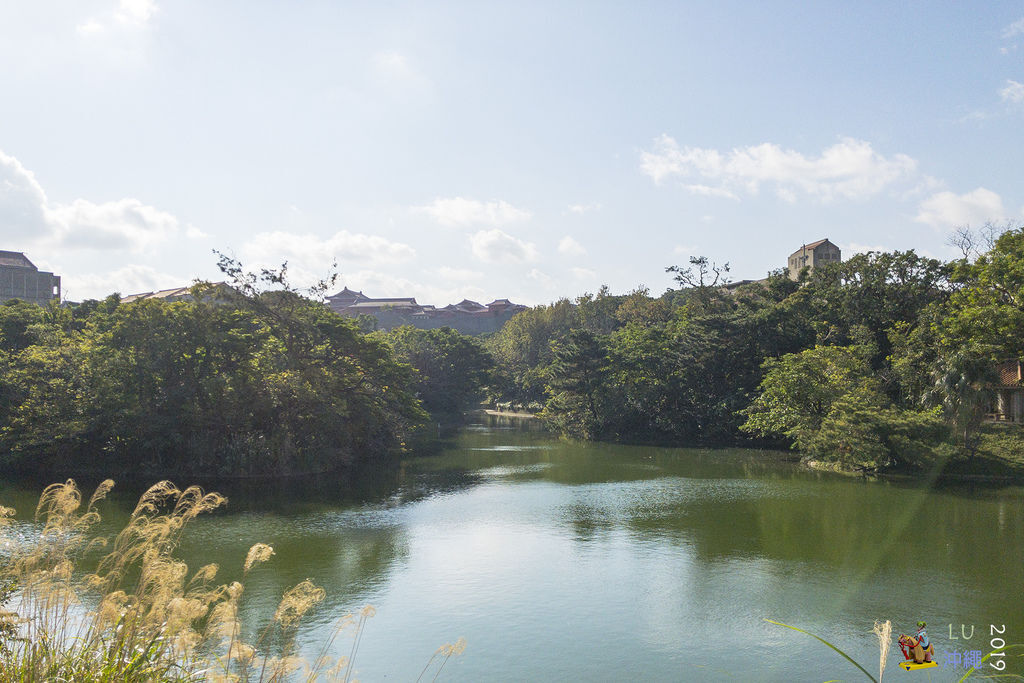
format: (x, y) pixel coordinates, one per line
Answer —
(844, 655)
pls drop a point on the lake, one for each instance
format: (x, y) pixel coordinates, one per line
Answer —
(576, 561)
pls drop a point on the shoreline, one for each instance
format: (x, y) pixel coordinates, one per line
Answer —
(509, 413)
(942, 475)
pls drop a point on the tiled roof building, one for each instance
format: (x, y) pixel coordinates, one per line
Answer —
(469, 317)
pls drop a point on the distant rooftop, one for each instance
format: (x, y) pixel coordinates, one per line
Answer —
(15, 259)
(167, 294)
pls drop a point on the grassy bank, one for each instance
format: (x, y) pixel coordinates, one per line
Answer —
(1000, 454)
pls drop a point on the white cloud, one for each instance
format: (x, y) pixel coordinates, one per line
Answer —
(1014, 29)
(23, 203)
(395, 66)
(89, 27)
(310, 257)
(130, 279)
(709, 191)
(570, 247)
(136, 12)
(28, 218)
(850, 248)
(458, 274)
(583, 274)
(459, 212)
(122, 224)
(396, 76)
(850, 169)
(584, 208)
(945, 210)
(540, 276)
(496, 246)
(1013, 92)
(129, 15)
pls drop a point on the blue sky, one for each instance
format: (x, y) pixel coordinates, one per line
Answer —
(528, 150)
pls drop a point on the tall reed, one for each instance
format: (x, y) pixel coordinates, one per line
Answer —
(883, 631)
(139, 615)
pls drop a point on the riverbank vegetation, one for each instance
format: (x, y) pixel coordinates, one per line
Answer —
(452, 370)
(235, 382)
(882, 361)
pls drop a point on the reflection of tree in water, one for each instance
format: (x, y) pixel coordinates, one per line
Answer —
(588, 521)
(352, 554)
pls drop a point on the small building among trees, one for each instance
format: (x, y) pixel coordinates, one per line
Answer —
(1009, 392)
(813, 255)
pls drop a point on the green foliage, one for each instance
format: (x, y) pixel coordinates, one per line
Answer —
(962, 387)
(453, 370)
(264, 383)
(828, 403)
(874, 292)
(522, 348)
(17, 318)
(855, 363)
(800, 389)
(863, 431)
(987, 311)
(576, 383)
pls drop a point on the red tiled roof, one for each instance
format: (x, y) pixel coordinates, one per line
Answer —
(1009, 373)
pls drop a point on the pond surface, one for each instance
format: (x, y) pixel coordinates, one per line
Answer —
(593, 562)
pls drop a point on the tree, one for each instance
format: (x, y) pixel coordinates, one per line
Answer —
(987, 311)
(800, 389)
(265, 383)
(702, 280)
(522, 348)
(576, 382)
(963, 387)
(16, 320)
(831, 407)
(452, 369)
(874, 291)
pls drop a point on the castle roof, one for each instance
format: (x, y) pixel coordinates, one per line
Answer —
(347, 293)
(378, 303)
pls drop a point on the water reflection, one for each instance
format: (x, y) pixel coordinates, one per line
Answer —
(562, 560)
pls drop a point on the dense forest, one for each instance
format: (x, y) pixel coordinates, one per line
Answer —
(252, 379)
(883, 360)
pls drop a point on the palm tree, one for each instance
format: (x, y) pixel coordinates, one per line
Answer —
(962, 385)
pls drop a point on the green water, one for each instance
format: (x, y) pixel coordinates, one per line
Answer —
(561, 561)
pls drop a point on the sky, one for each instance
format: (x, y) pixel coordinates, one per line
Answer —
(523, 150)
